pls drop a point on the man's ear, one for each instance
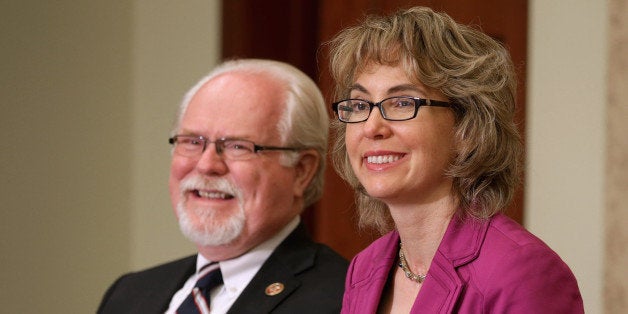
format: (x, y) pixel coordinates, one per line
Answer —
(305, 169)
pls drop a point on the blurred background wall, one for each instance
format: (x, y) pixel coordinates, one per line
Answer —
(89, 91)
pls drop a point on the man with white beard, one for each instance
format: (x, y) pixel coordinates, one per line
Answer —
(248, 156)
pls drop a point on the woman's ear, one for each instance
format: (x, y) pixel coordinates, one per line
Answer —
(305, 169)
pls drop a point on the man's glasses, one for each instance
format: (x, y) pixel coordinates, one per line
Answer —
(232, 149)
(392, 109)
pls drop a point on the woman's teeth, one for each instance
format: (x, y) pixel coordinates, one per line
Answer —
(381, 159)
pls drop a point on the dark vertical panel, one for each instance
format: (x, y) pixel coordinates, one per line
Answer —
(280, 29)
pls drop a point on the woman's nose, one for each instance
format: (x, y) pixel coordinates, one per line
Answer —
(376, 126)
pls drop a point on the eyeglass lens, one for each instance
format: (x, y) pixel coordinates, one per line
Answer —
(396, 108)
(192, 146)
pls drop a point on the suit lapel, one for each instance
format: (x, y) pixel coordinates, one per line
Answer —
(293, 256)
(157, 298)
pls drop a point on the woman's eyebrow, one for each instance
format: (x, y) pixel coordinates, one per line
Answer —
(404, 88)
(391, 90)
(357, 87)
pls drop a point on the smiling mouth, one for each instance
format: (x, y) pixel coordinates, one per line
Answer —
(212, 195)
(382, 159)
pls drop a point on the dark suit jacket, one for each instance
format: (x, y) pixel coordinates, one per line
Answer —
(313, 276)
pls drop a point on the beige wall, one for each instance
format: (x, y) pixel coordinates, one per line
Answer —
(577, 173)
(175, 45)
(88, 94)
(65, 167)
(567, 103)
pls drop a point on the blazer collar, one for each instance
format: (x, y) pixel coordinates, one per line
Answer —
(463, 239)
(460, 245)
(293, 256)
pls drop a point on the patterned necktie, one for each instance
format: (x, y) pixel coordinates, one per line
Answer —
(198, 300)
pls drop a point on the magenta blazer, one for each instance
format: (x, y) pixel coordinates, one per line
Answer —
(490, 266)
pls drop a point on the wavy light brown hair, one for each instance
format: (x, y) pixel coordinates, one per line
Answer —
(473, 70)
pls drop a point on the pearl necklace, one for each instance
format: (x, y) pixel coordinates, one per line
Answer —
(404, 266)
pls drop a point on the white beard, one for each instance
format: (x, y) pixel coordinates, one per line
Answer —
(207, 231)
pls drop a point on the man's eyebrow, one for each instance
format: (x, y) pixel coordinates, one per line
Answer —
(187, 132)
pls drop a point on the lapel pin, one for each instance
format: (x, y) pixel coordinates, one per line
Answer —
(274, 289)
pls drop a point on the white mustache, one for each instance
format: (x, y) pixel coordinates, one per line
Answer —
(200, 183)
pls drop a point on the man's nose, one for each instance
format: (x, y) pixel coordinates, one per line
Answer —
(211, 162)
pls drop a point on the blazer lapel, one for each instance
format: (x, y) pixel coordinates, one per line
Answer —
(440, 292)
(277, 278)
(372, 276)
(460, 245)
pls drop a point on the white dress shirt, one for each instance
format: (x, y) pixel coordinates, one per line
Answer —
(236, 273)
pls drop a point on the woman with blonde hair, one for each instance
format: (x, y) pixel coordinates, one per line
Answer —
(426, 136)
